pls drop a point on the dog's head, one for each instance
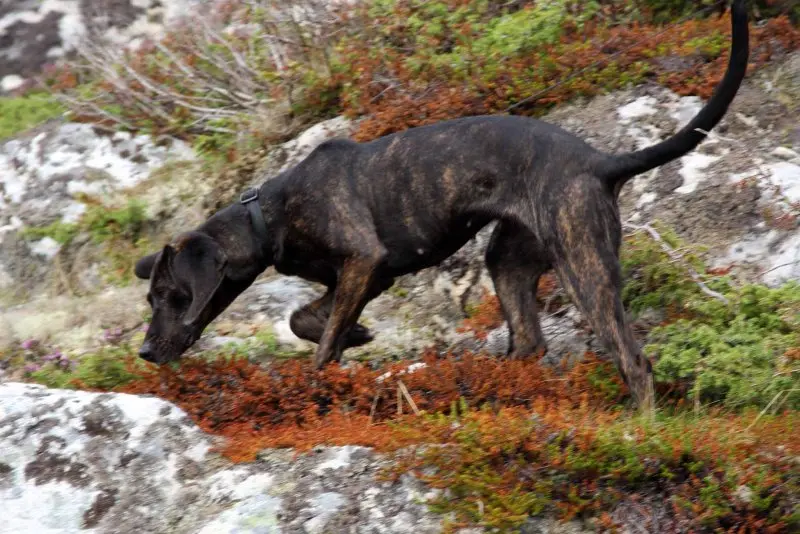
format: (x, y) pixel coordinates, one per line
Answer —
(187, 291)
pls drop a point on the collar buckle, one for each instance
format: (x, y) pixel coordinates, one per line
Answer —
(248, 196)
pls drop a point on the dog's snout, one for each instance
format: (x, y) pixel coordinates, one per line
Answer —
(147, 353)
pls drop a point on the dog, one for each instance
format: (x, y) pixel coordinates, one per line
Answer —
(355, 216)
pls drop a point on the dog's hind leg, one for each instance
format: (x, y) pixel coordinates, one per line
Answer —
(586, 259)
(515, 263)
(309, 322)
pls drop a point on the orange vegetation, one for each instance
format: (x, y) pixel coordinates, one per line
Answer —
(393, 97)
(290, 405)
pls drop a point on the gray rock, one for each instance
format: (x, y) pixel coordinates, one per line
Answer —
(35, 33)
(74, 462)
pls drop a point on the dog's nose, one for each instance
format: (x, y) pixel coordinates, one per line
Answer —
(146, 352)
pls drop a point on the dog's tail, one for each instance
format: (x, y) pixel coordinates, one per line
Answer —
(618, 169)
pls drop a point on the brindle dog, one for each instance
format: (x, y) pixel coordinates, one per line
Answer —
(353, 217)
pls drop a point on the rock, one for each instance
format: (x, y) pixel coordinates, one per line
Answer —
(44, 173)
(744, 494)
(35, 33)
(93, 461)
(786, 153)
(292, 152)
(718, 195)
(550, 526)
(74, 462)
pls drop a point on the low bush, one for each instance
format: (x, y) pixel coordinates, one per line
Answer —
(737, 352)
(222, 77)
(497, 468)
(655, 280)
(430, 61)
(504, 440)
(20, 113)
(254, 72)
(741, 354)
(107, 369)
(120, 231)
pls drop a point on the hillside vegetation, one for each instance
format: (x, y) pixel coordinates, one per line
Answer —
(515, 438)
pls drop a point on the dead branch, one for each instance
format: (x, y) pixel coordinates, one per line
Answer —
(676, 256)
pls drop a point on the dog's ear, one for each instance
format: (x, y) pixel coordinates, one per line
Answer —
(162, 269)
(144, 266)
(200, 266)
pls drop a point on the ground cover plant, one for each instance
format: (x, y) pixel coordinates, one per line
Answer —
(20, 113)
(119, 231)
(253, 72)
(511, 439)
(506, 440)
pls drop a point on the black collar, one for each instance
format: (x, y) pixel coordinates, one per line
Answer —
(248, 199)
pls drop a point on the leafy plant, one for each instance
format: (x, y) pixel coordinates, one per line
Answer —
(20, 113)
(740, 354)
(121, 232)
(107, 369)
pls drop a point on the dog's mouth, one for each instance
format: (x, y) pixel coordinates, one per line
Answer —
(160, 355)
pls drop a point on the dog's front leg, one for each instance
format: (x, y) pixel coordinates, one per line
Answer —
(352, 294)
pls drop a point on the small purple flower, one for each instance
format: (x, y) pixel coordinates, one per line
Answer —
(32, 368)
(112, 335)
(53, 356)
(28, 344)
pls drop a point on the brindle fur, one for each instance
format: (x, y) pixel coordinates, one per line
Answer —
(354, 216)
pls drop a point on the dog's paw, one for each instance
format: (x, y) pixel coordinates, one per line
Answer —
(358, 335)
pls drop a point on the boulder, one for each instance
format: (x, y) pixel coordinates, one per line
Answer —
(34, 33)
(75, 462)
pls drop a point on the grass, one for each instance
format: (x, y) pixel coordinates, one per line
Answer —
(512, 439)
(121, 232)
(21, 113)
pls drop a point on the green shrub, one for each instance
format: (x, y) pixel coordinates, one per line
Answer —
(117, 223)
(738, 354)
(60, 232)
(652, 279)
(18, 114)
(106, 369)
(121, 232)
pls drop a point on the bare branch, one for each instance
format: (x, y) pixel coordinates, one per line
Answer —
(675, 256)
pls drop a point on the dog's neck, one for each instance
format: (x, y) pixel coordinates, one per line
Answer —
(251, 245)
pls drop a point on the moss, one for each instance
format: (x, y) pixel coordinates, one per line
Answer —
(119, 231)
(107, 369)
(61, 232)
(18, 114)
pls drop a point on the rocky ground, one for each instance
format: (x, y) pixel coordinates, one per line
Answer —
(36, 33)
(85, 462)
(719, 197)
(74, 461)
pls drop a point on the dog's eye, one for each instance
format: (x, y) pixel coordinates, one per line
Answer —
(176, 300)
